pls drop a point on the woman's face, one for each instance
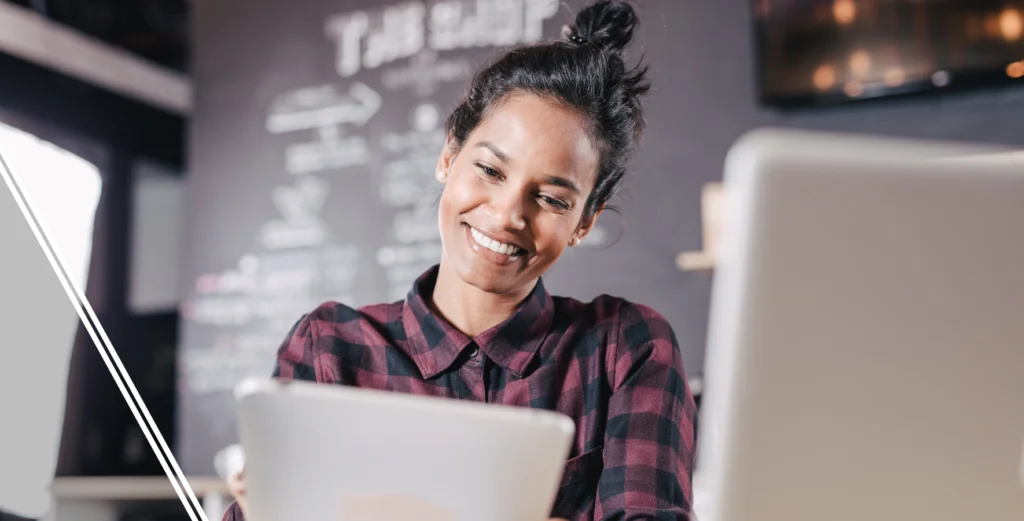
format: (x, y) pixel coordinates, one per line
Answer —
(515, 193)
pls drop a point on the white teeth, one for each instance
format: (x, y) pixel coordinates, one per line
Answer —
(495, 246)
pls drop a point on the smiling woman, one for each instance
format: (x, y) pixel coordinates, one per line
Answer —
(534, 153)
(516, 194)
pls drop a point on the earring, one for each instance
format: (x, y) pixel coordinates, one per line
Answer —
(575, 241)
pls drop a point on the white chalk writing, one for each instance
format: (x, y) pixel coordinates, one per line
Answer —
(369, 39)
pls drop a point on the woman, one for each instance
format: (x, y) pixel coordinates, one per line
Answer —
(534, 152)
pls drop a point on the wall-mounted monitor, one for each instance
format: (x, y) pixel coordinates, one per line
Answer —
(828, 51)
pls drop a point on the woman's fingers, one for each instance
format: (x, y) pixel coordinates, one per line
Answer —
(236, 484)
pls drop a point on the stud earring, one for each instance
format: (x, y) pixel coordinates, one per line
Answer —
(575, 241)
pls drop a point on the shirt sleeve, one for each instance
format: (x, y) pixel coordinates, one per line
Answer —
(650, 435)
(234, 513)
(297, 358)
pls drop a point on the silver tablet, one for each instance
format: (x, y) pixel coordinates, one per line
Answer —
(319, 452)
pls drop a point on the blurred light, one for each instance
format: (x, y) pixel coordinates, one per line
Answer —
(1011, 25)
(1015, 70)
(206, 284)
(972, 29)
(824, 77)
(894, 77)
(860, 62)
(940, 78)
(844, 11)
(992, 26)
(853, 89)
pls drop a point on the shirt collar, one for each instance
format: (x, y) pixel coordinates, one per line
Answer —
(434, 344)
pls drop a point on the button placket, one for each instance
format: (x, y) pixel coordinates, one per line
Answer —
(472, 371)
(474, 358)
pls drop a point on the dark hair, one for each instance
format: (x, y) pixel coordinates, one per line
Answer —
(585, 72)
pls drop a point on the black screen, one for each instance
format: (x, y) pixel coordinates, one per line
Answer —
(821, 51)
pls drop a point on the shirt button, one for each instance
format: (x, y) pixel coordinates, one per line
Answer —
(474, 352)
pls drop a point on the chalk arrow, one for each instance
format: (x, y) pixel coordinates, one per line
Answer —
(320, 107)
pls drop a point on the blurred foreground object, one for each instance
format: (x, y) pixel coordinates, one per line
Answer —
(62, 191)
(865, 354)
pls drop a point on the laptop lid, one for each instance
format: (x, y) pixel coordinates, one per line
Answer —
(866, 347)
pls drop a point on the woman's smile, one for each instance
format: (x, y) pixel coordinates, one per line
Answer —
(493, 250)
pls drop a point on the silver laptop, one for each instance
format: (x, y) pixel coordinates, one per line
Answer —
(318, 452)
(866, 348)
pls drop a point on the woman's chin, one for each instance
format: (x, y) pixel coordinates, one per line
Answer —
(485, 278)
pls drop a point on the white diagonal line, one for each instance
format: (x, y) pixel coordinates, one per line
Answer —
(110, 358)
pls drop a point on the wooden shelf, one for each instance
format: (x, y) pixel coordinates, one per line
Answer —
(131, 488)
(695, 261)
(711, 217)
(105, 498)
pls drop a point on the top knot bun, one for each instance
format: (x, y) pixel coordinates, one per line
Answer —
(607, 25)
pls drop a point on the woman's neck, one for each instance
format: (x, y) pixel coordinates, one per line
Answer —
(470, 309)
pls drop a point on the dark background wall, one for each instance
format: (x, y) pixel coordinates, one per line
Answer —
(701, 55)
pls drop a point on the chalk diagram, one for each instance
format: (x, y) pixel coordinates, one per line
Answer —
(425, 72)
(408, 185)
(325, 110)
(299, 204)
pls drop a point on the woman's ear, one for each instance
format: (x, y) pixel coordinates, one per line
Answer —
(446, 159)
(586, 224)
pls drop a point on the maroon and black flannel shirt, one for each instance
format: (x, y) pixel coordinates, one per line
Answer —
(612, 366)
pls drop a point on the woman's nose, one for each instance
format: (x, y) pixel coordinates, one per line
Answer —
(508, 210)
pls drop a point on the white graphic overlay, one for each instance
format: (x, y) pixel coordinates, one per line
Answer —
(110, 358)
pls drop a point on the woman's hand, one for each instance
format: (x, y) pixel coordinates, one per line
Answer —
(236, 484)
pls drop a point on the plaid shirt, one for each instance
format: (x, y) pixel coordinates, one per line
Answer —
(612, 366)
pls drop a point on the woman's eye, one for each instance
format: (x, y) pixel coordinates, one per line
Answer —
(557, 203)
(488, 171)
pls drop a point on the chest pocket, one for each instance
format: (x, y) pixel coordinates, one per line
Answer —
(578, 490)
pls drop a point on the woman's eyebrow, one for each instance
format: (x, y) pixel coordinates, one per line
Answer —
(562, 182)
(495, 150)
(551, 179)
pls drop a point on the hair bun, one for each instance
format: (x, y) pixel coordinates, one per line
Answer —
(607, 25)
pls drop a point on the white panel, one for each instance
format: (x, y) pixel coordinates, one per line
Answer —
(156, 240)
(62, 190)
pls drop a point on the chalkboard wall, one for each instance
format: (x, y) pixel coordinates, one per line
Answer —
(316, 136)
(316, 131)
